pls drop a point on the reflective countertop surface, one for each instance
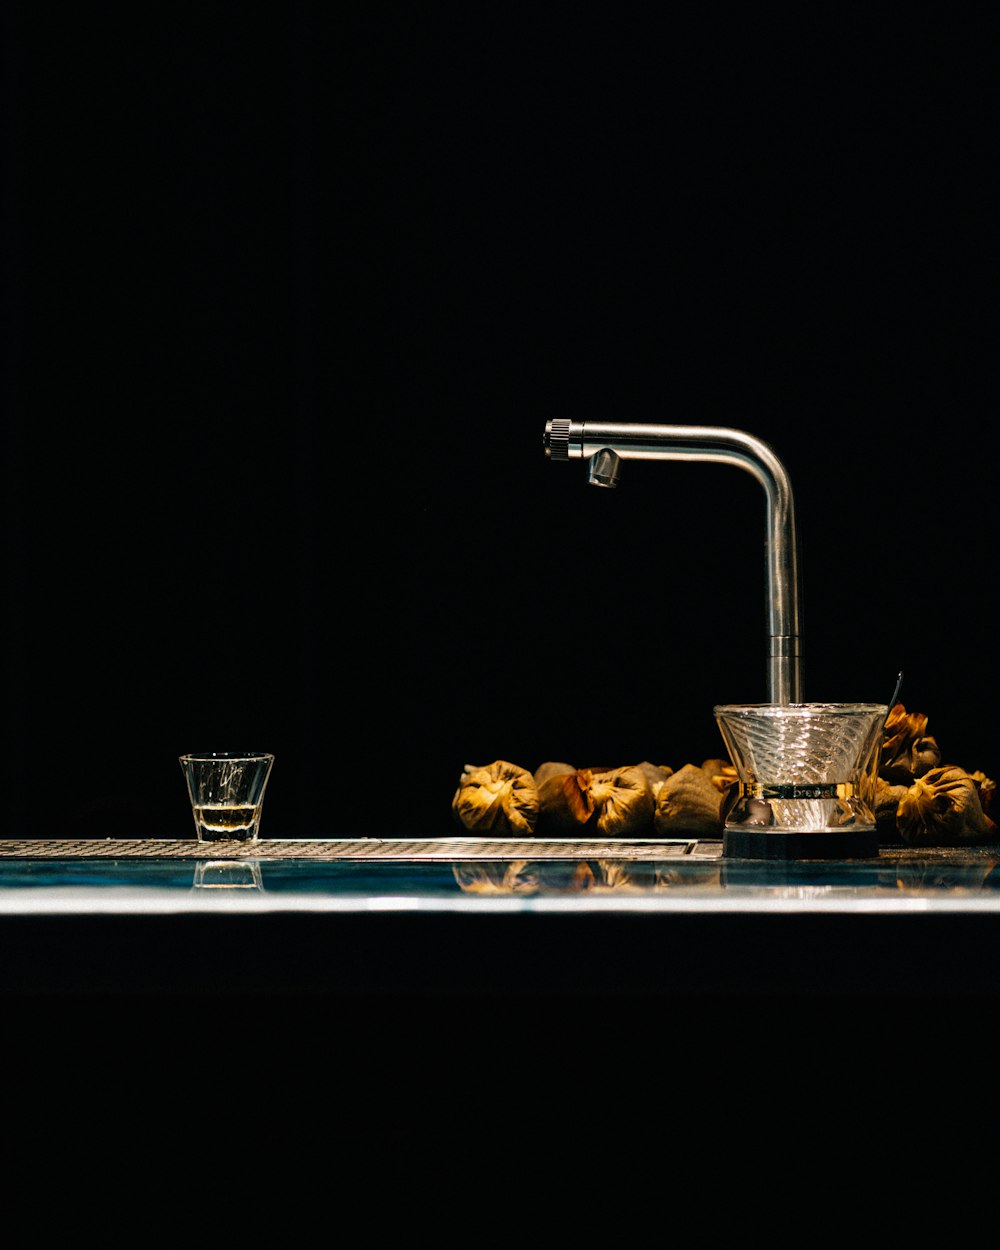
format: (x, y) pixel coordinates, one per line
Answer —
(465, 917)
(456, 875)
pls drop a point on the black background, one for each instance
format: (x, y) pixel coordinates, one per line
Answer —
(289, 294)
(292, 290)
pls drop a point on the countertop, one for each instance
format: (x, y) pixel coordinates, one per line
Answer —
(375, 915)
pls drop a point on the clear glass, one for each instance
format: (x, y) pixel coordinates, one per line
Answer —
(227, 793)
(802, 767)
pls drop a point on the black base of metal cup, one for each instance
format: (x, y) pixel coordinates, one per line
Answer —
(795, 844)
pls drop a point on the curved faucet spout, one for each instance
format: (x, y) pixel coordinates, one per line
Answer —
(604, 443)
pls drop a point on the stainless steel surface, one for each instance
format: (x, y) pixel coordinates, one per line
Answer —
(604, 444)
(317, 849)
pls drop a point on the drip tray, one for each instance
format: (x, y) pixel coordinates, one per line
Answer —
(360, 848)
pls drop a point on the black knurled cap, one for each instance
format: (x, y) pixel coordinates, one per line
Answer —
(557, 438)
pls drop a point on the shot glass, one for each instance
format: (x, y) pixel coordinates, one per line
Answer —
(227, 793)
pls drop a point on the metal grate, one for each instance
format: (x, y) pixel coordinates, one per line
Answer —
(362, 848)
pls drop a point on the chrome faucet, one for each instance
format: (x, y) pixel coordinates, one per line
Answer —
(605, 444)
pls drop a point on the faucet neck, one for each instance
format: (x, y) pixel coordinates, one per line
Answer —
(568, 440)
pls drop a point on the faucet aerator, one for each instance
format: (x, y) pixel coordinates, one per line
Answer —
(604, 468)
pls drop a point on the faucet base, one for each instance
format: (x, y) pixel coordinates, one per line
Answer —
(795, 844)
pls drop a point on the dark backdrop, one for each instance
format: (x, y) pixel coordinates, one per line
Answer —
(290, 293)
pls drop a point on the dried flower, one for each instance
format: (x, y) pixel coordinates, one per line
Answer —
(496, 800)
(887, 797)
(656, 775)
(623, 802)
(613, 802)
(552, 768)
(564, 802)
(721, 773)
(907, 750)
(689, 802)
(942, 808)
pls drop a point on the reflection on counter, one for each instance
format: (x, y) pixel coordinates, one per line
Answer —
(228, 874)
(785, 879)
(938, 876)
(580, 876)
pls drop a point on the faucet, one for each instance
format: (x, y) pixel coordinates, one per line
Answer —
(605, 444)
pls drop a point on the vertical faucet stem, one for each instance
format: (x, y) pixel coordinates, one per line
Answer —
(605, 444)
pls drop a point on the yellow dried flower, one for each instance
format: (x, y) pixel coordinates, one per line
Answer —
(942, 808)
(498, 800)
(689, 802)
